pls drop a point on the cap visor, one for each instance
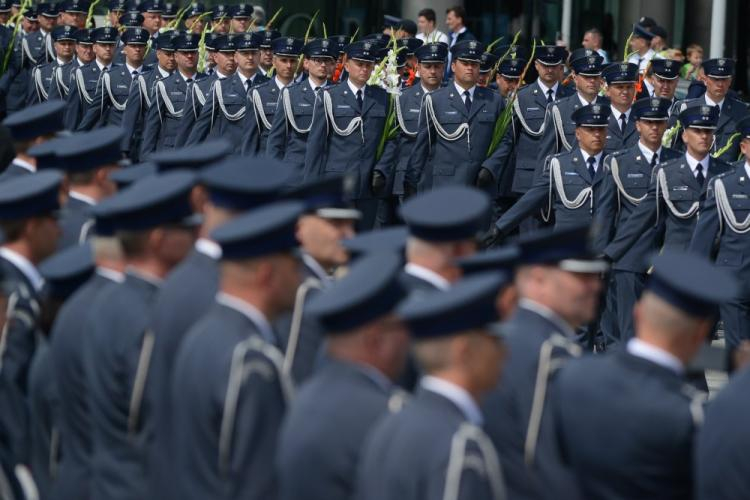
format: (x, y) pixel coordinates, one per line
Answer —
(339, 213)
(584, 266)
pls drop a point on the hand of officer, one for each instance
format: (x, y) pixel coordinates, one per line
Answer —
(491, 238)
(484, 179)
(409, 190)
(378, 182)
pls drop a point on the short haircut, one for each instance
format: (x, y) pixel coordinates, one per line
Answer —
(458, 11)
(428, 14)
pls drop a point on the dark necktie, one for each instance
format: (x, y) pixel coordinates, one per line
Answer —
(623, 123)
(359, 98)
(135, 74)
(189, 80)
(654, 160)
(247, 85)
(467, 101)
(699, 174)
(317, 90)
(592, 167)
(549, 96)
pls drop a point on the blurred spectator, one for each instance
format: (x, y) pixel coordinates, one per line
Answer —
(695, 58)
(427, 24)
(659, 41)
(592, 40)
(455, 19)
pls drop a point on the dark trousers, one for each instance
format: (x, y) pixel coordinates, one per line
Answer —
(369, 209)
(628, 288)
(736, 318)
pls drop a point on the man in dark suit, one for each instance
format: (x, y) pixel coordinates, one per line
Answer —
(151, 220)
(435, 447)
(347, 130)
(641, 390)
(229, 393)
(455, 19)
(323, 433)
(558, 281)
(627, 176)
(721, 232)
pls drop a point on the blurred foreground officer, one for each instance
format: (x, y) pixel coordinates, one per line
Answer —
(456, 128)
(722, 466)
(88, 160)
(347, 129)
(366, 348)
(63, 273)
(627, 177)
(722, 231)
(443, 226)
(435, 446)
(150, 220)
(231, 186)
(70, 342)
(228, 391)
(639, 403)
(558, 281)
(328, 220)
(30, 127)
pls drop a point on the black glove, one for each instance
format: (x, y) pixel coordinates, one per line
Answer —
(378, 182)
(484, 179)
(491, 237)
(409, 190)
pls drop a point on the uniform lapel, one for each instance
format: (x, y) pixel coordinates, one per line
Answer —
(457, 101)
(725, 116)
(478, 104)
(369, 100)
(539, 98)
(579, 164)
(349, 97)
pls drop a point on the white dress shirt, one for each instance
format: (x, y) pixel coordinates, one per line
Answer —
(650, 352)
(549, 315)
(648, 153)
(545, 88)
(427, 275)
(693, 163)
(251, 312)
(209, 248)
(25, 266)
(456, 395)
(461, 91)
(598, 158)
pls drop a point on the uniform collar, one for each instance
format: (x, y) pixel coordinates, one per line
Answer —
(110, 274)
(25, 266)
(710, 102)
(139, 69)
(644, 350)
(278, 83)
(163, 72)
(220, 75)
(456, 395)
(24, 164)
(461, 90)
(144, 276)
(312, 85)
(354, 88)
(584, 102)
(648, 153)
(250, 312)
(427, 275)
(185, 77)
(59, 61)
(693, 163)
(747, 169)
(82, 197)
(101, 66)
(548, 314)
(315, 267)
(546, 88)
(616, 113)
(208, 248)
(597, 156)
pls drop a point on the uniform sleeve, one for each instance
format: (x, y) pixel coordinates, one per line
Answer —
(73, 105)
(277, 136)
(638, 222)
(548, 142)
(32, 95)
(499, 157)
(317, 142)
(250, 132)
(707, 227)
(20, 340)
(532, 200)
(606, 212)
(130, 116)
(188, 116)
(151, 128)
(93, 112)
(203, 124)
(421, 151)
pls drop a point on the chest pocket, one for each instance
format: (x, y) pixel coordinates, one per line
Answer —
(269, 108)
(739, 205)
(682, 193)
(485, 116)
(376, 112)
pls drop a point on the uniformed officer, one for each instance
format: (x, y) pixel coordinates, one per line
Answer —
(328, 220)
(522, 140)
(86, 80)
(116, 9)
(148, 219)
(558, 134)
(508, 75)
(225, 108)
(717, 76)
(69, 347)
(435, 447)
(558, 282)
(233, 186)
(721, 232)
(132, 19)
(48, 14)
(640, 42)
(390, 172)
(366, 346)
(220, 19)
(627, 175)
(621, 131)
(264, 98)
(32, 126)
(220, 50)
(88, 159)
(347, 130)
(28, 51)
(443, 226)
(266, 50)
(240, 17)
(115, 85)
(194, 18)
(721, 466)
(62, 75)
(640, 404)
(228, 391)
(169, 13)
(63, 38)
(570, 184)
(30, 232)
(63, 273)
(162, 119)
(676, 190)
(458, 123)
(287, 138)
(74, 13)
(143, 91)
(661, 80)
(152, 11)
